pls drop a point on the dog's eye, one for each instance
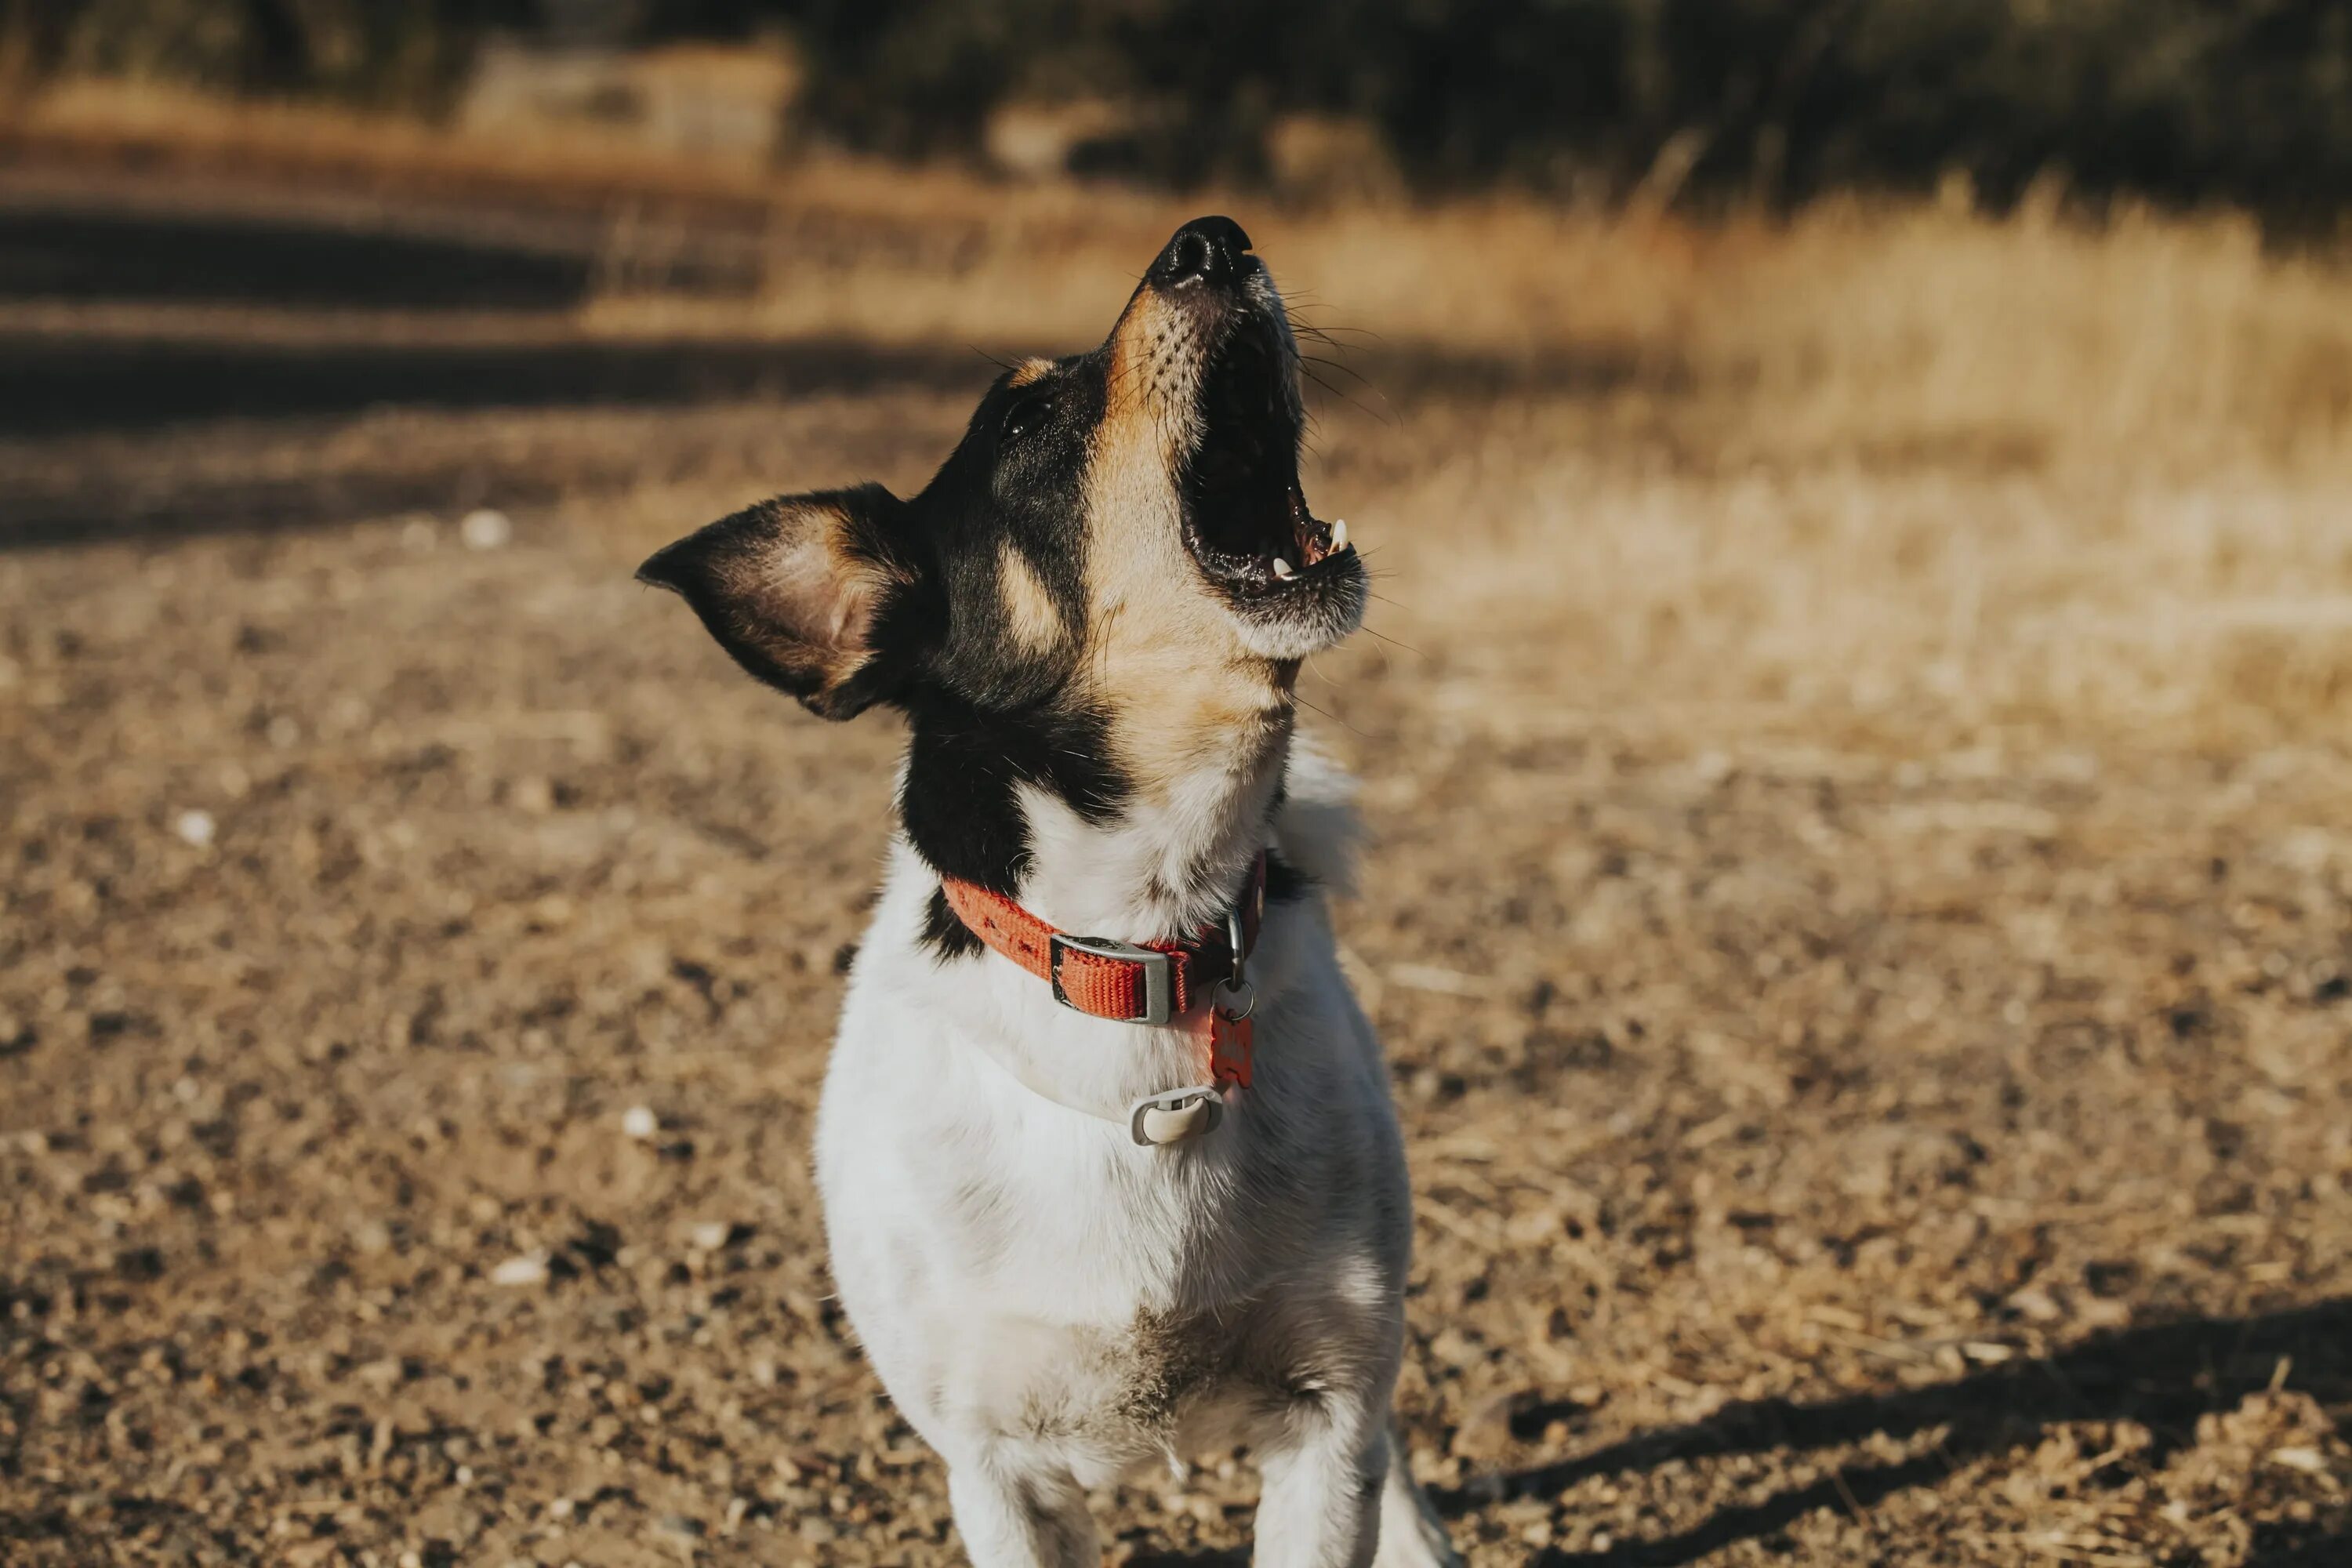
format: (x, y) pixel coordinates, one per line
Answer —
(1026, 413)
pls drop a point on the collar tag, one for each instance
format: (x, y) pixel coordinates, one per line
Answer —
(1175, 1114)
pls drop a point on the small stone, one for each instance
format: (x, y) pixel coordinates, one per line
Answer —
(816, 1531)
(711, 1236)
(560, 1508)
(194, 827)
(486, 527)
(639, 1122)
(531, 1268)
(2037, 1304)
(680, 1524)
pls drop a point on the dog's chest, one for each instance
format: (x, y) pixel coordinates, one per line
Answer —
(1030, 1278)
(1162, 1382)
(1050, 1302)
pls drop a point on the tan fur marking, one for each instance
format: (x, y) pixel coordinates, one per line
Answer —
(1029, 610)
(1163, 658)
(820, 592)
(1152, 370)
(1030, 371)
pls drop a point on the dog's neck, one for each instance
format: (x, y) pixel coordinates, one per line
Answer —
(1169, 863)
(1053, 813)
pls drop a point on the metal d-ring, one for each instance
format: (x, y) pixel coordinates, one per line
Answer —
(1241, 989)
(1237, 983)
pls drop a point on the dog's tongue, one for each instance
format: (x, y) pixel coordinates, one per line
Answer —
(1318, 540)
(1315, 538)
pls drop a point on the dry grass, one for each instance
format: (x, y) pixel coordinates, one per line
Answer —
(1917, 468)
(2177, 342)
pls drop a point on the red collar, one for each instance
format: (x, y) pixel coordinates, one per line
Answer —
(1131, 983)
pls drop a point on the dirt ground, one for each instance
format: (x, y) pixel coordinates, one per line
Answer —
(1846, 1129)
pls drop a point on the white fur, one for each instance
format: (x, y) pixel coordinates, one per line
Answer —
(1051, 1305)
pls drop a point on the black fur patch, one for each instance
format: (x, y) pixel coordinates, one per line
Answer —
(964, 765)
(944, 932)
(1285, 883)
(1013, 484)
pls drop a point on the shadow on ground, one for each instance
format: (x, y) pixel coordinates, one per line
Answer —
(2163, 1376)
(79, 254)
(63, 384)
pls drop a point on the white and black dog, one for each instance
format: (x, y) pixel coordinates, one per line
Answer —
(1110, 1169)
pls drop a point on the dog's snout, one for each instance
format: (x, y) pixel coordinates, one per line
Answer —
(1209, 249)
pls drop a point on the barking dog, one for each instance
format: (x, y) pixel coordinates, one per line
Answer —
(1109, 1166)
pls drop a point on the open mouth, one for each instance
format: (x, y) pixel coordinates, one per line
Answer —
(1247, 521)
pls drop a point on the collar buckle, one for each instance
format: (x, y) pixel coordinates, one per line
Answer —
(1159, 992)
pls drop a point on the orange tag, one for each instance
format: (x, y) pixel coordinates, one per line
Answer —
(1229, 1048)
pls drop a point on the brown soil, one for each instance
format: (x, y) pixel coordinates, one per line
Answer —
(1844, 1131)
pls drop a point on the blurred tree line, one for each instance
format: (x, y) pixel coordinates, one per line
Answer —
(2178, 101)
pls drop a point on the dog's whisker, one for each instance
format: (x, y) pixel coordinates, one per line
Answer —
(1378, 636)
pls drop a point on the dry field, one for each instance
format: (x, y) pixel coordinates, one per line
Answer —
(1854, 735)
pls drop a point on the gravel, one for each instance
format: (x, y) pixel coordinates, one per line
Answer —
(1824, 1151)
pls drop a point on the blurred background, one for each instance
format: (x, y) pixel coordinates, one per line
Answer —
(1853, 728)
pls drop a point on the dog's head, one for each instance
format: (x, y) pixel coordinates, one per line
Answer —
(1118, 527)
(1104, 592)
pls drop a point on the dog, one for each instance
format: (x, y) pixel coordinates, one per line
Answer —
(1110, 1165)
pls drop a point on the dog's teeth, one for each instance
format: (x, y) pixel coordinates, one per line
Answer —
(1282, 569)
(1338, 534)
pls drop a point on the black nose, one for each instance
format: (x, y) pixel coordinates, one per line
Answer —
(1207, 248)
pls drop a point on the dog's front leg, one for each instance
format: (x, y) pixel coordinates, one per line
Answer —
(1321, 1504)
(1013, 1516)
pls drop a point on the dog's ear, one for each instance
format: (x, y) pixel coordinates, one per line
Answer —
(794, 588)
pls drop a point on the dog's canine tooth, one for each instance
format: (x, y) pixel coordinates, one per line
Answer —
(1338, 534)
(1282, 569)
